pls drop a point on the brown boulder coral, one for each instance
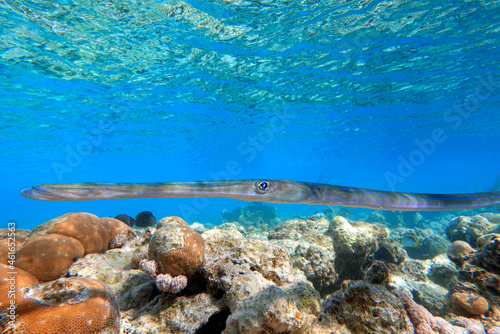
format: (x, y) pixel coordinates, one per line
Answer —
(176, 247)
(470, 302)
(48, 257)
(93, 232)
(74, 305)
(53, 246)
(9, 241)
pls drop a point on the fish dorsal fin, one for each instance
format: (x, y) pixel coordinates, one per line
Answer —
(325, 176)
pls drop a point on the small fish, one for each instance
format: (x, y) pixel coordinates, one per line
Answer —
(269, 191)
(410, 241)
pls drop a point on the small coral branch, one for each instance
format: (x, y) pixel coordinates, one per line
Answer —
(168, 283)
(150, 267)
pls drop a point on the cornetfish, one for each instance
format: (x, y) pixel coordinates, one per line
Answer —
(269, 191)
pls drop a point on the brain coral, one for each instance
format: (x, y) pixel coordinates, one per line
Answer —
(48, 257)
(74, 305)
(176, 247)
(470, 302)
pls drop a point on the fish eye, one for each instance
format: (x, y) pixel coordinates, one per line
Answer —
(263, 185)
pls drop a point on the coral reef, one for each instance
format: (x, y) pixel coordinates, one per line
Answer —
(493, 218)
(271, 310)
(489, 257)
(378, 273)
(397, 219)
(253, 214)
(93, 233)
(442, 270)
(475, 289)
(468, 229)
(303, 276)
(257, 283)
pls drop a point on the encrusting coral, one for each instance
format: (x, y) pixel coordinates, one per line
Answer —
(310, 249)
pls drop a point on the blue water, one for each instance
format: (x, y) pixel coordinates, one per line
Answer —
(390, 95)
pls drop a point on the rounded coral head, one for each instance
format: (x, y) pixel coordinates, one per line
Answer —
(470, 302)
(176, 247)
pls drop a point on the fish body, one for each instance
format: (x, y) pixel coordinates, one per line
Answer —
(269, 191)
